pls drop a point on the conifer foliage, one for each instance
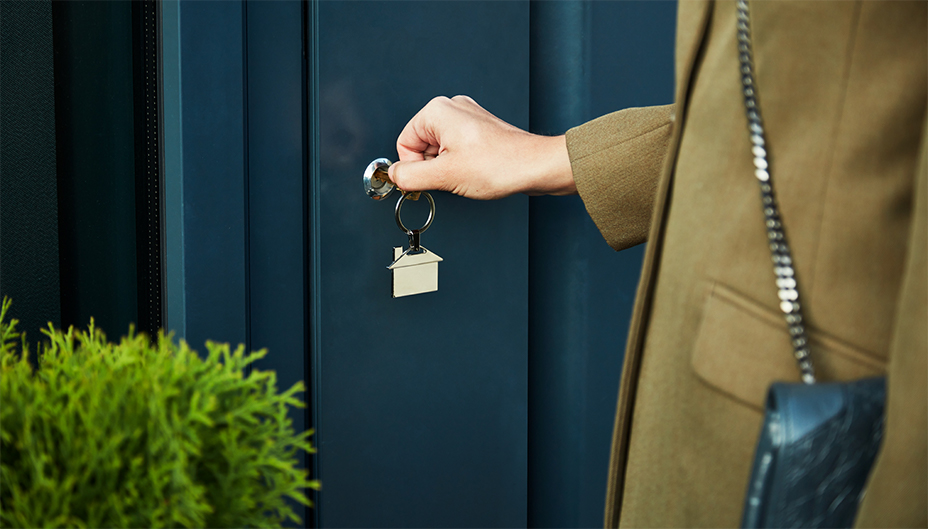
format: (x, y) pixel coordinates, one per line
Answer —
(131, 434)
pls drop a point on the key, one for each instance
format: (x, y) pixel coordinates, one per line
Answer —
(377, 183)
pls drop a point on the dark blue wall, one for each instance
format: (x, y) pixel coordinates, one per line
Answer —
(588, 59)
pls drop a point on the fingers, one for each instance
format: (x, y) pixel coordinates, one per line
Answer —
(416, 142)
(420, 175)
(421, 141)
(424, 136)
(421, 138)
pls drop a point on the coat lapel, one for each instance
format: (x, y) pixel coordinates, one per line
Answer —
(692, 23)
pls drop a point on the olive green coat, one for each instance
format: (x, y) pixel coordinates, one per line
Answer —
(842, 86)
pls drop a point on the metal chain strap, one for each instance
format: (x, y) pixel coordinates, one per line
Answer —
(787, 286)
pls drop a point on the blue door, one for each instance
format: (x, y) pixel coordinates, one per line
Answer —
(421, 402)
(488, 403)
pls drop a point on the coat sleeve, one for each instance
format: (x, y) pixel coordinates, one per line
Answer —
(897, 494)
(616, 162)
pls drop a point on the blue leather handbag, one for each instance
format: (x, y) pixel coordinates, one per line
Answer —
(815, 452)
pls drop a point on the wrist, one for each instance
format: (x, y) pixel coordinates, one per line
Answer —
(550, 169)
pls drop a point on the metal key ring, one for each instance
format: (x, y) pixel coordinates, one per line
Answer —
(399, 206)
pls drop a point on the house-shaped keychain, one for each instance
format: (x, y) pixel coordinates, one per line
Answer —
(414, 273)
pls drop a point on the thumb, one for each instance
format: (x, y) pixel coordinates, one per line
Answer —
(419, 175)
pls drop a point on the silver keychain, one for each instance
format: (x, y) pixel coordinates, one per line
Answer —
(415, 269)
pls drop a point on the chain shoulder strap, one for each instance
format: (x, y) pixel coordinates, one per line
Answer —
(786, 281)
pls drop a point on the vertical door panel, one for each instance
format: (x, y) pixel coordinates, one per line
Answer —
(421, 401)
(277, 314)
(214, 172)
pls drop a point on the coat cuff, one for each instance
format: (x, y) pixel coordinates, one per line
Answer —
(616, 162)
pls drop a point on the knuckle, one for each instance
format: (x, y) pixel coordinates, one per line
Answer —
(438, 101)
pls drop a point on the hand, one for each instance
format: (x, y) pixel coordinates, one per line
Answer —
(455, 145)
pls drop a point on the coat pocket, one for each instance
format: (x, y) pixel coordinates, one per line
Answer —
(743, 347)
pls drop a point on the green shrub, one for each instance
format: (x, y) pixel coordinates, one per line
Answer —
(134, 435)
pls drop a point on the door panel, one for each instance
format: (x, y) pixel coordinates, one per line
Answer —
(277, 197)
(214, 173)
(421, 402)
